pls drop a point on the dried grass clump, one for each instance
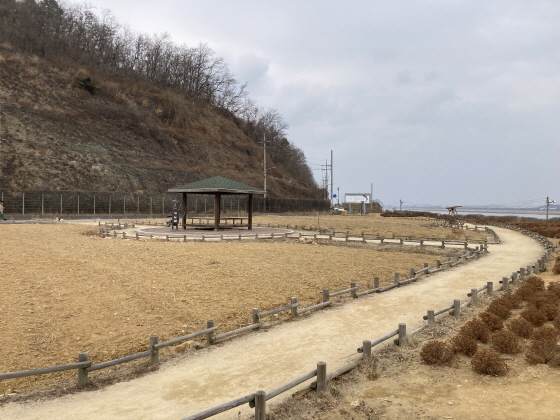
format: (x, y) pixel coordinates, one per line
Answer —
(548, 334)
(543, 298)
(536, 281)
(556, 268)
(521, 327)
(554, 287)
(543, 352)
(492, 321)
(512, 299)
(499, 308)
(476, 329)
(550, 311)
(525, 291)
(489, 362)
(464, 343)
(505, 342)
(437, 353)
(534, 316)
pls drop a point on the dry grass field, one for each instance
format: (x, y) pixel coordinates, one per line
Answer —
(66, 290)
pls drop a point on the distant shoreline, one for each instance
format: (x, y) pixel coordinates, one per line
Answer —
(551, 213)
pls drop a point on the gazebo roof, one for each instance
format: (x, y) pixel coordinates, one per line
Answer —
(217, 184)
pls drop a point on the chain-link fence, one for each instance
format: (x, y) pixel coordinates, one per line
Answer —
(72, 203)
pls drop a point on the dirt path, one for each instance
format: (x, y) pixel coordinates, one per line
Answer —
(268, 359)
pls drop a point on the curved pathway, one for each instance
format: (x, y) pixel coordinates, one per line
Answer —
(268, 359)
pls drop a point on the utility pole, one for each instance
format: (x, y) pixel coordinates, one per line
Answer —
(331, 198)
(548, 203)
(264, 162)
(371, 199)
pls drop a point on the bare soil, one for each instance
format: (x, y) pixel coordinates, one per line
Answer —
(66, 289)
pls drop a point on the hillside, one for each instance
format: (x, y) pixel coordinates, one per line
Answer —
(128, 136)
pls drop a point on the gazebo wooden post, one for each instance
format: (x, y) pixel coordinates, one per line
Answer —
(217, 211)
(250, 208)
(184, 210)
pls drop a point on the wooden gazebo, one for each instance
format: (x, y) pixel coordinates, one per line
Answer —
(218, 186)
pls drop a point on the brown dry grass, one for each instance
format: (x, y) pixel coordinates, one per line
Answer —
(65, 291)
(437, 353)
(489, 362)
(374, 223)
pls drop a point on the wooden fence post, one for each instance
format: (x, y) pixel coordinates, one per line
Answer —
(353, 292)
(514, 278)
(255, 315)
(366, 351)
(402, 335)
(154, 357)
(456, 307)
(210, 335)
(490, 288)
(326, 296)
(83, 356)
(321, 377)
(375, 282)
(293, 301)
(260, 405)
(505, 283)
(474, 296)
(521, 274)
(412, 273)
(438, 264)
(431, 317)
(397, 276)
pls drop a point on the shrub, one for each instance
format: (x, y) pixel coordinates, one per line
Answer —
(545, 352)
(437, 353)
(87, 84)
(476, 329)
(499, 308)
(536, 281)
(464, 343)
(554, 286)
(512, 300)
(543, 298)
(505, 342)
(521, 327)
(488, 362)
(549, 334)
(550, 311)
(492, 321)
(556, 268)
(525, 291)
(534, 316)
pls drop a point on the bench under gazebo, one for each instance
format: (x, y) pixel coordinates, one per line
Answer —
(218, 186)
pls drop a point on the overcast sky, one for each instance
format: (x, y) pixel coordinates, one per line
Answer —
(442, 102)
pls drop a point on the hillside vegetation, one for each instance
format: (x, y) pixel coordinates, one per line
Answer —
(87, 105)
